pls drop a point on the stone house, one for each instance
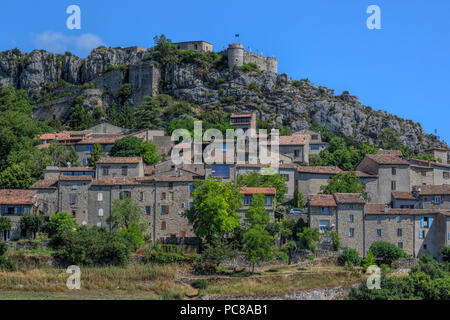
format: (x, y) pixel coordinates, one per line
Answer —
(200, 45)
(244, 121)
(440, 171)
(322, 209)
(14, 204)
(393, 175)
(115, 167)
(439, 153)
(269, 200)
(311, 178)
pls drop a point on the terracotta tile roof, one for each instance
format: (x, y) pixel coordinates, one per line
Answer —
(395, 153)
(293, 140)
(75, 178)
(116, 182)
(119, 160)
(260, 165)
(258, 190)
(362, 174)
(44, 184)
(349, 198)
(173, 179)
(320, 169)
(374, 208)
(432, 189)
(321, 200)
(240, 115)
(416, 211)
(76, 168)
(16, 197)
(387, 159)
(149, 170)
(437, 149)
(53, 136)
(403, 195)
(415, 166)
(109, 140)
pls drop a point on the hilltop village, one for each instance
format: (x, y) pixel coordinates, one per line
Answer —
(408, 206)
(406, 200)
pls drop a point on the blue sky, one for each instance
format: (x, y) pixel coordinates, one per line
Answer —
(402, 68)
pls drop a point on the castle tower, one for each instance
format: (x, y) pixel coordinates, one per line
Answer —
(235, 55)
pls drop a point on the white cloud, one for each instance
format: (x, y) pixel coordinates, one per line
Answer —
(59, 43)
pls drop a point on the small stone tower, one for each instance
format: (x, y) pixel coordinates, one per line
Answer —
(235, 55)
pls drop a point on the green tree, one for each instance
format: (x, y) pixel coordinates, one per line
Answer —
(214, 212)
(345, 182)
(386, 252)
(96, 154)
(309, 237)
(17, 176)
(125, 91)
(149, 153)
(149, 114)
(350, 256)
(31, 223)
(446, 254)
(299, 200)
(5, 224)
(164, 51)
(60, 223)
(134, 147)
(80, 117)
(257, 245)
(390, 139)
(61, 156)
(335, 240)
(215, 253)
(125, 214)
(256, 213)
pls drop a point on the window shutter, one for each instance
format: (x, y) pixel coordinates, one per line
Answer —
(430, 221)
(167, 209)
(421, 222)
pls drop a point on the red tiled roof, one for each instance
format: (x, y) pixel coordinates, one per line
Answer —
(386, 159)
(396, 153)
(403, 195)
(349, 198)
(437, 149)
(432, 189)
(119, 160)
(109, 140)
(75, 178)
(116, 182)
(258, 190)
(44, 184)
(76, 168)
(321, 200)
(320, 169)
(293, 140)
(362, 174)
(374, 208)
(149, 170)
(16, 197)
(416, 211)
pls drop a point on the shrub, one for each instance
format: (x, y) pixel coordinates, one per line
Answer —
(3, 248)
(351, 257)
(165, 254)
(6, 264)
(426, 258)
(93, 246)
(199, 284)
(247, 67)
(385, 269)
(386, 252)
(369, 260)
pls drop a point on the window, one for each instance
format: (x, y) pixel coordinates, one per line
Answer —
(399, 232)
(351, 218)
(285, 177)
(89, 149)
(393, 185)
(105, 171)
(73, 199)
(85, 161)
(296, 153)
(268, 200)
(171, 196)
(437, 200)
(246, 200)
(425, 246)
(445, 175)
(124, 194)
(163, 196)
(182, 205)
(324, 225)
(124, 171)
(100, 212)
(421, 233)
(394, 171)
(99, 224)
(400, 245)
(182, 234)
(314, 147)
(191, 188)
(379, 220)
(314, 137)
(170, 185)
(378, 232)
(399, 219)
(350, 206)
(220, 171)
(165, 209)
(163, 225)
(423, 173)
(99, 196)
(425, 222)
(351, 232)
(324, 210)
(148, 210)
(141, 196)
(74, 186)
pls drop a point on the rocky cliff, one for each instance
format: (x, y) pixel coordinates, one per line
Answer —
(55, 80)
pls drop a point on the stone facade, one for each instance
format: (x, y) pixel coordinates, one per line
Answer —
(201, 46)
(237, 56)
